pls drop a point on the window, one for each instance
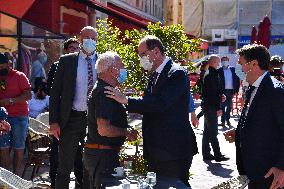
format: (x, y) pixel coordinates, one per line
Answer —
(8, 25)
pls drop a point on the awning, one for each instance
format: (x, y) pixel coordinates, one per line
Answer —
(110, 11)
(16, 8)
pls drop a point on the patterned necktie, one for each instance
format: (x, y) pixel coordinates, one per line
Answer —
(245, 108)
(153, 79)
(90, 75)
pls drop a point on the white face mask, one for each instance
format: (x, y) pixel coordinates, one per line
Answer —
(239, 72)
(145, 63)
(225, 63)
(89, 45)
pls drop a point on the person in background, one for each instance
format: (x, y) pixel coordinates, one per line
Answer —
(212, 97)
(193, 118)
(74, 79)
(71, 45)
(275, 68)
(259, 137)
(231, 84)
(38, 70)
(4, 125)
(107, 122)
(39, 102)
(15, 91)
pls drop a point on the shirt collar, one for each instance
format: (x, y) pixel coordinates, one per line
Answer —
(258, 81)
(161, 67)
(84, 56)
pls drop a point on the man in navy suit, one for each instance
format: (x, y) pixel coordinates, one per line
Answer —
(230, 84)
(169, 142)
(259, 137)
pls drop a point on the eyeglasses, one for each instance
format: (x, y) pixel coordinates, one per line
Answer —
(2, 85)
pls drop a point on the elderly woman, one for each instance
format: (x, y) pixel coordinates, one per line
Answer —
(107, 121)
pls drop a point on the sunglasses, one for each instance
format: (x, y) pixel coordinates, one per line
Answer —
(2, 85)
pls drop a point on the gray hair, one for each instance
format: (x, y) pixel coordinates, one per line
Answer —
(88, 28)
(105, 61)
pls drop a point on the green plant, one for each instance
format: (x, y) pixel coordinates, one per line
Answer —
(125, 43)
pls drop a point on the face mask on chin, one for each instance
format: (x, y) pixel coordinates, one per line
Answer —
(145, 63)
(89, 45)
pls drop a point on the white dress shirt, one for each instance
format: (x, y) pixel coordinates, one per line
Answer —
(228, 77)
(80, 98)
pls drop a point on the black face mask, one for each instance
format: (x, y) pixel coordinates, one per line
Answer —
(3, 72)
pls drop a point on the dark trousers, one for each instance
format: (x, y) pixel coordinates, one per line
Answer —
(227, 105)
(172, 169)
(69, 140)
(263, 184)
(53, 159)
(98, 164)
(210, 132)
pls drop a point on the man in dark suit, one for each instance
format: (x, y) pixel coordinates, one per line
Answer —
(230, 83)
(212, 94)
(71, 45)
(259, 137)
(73, 81)
(169, 142)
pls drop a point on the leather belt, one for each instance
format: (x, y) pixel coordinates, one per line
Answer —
(101, 147)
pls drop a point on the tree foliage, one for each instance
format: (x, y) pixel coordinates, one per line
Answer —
(125, 43)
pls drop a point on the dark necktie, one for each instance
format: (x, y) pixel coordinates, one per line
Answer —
(153, 79)
(90, 75)
(245, 108)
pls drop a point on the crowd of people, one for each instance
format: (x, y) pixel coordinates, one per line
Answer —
(88, 112)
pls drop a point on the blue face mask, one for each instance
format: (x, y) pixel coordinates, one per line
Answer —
(89, 45)
(239, 72)
(122, 75)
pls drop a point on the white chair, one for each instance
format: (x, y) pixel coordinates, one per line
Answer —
(44, 118)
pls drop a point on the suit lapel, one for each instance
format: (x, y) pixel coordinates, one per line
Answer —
(163, 76)
(74, 65)
(258, 94)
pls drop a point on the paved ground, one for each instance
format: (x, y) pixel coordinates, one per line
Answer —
(205, 175)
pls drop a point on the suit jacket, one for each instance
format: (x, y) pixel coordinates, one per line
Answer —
(212, 89)
(50, 76)
(236, 80)
(167, 133)
(260, 142)
(63, 89)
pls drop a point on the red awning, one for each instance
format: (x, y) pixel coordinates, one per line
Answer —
(16, 8)
(110, 11)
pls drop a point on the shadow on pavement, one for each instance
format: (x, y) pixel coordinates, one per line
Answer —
(218, 169)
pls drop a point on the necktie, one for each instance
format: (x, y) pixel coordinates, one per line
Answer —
(153, 79)
(247, 96)
(90, 76)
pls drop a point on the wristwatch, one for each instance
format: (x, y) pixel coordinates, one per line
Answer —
(11, 101)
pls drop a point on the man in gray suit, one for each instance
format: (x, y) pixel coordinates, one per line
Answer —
(73, 81)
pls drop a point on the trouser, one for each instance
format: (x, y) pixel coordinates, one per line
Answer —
(70, 137)
(98, 164)
(210, 132)
(227, 105)
(172, 169)
(53, 159)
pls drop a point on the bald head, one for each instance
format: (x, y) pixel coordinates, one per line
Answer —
(88, 35)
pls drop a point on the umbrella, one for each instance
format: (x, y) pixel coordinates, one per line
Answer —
(253, 35)
(266, 32)
(260, 33)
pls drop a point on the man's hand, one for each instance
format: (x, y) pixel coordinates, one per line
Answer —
(54, 129)
(194, 120)
(230, 135)
(278, 180)
(132, 134)
(223, 98)
(219, 113)
(116, 95)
